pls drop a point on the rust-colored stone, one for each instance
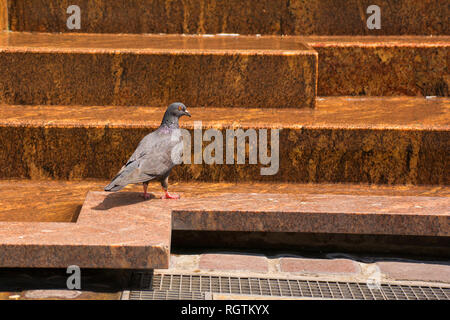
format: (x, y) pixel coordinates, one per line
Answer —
(303, 265)
(121, 230)
(61, 201)
(102, 237)
(3, 15)
(155, 70)
(226, 262)
(295, 17)
(415, 271)
(349, 17)
(372, 66)
(357, 140)
(316, 213)
(382, 66)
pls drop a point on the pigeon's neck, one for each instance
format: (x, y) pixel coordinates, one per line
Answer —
(170, 121)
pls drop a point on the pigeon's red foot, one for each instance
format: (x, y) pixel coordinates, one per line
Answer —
(170, 196)
(146, 196)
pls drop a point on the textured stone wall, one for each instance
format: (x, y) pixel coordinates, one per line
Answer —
(220, 80)
(295, 17)
(306, 155)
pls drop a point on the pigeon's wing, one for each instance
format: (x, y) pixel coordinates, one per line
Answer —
(155, 155)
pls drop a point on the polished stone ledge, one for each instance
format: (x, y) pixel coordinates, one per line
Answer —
(121, 230)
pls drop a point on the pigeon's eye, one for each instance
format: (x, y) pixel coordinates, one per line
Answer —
(180, 108)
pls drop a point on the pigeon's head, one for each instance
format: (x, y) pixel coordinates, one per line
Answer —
(177, 110)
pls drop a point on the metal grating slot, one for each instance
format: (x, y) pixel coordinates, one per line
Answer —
(235, 285)
(305, 289)
(254, 286)
(196, 287)
(166, 295)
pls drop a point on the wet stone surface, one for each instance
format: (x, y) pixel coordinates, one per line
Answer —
(391, 65)
(121, 230)
(94, 70)
(61, 201)
(397, 140)
(297, 17)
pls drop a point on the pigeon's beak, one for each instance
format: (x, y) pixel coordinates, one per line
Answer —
(186, 113)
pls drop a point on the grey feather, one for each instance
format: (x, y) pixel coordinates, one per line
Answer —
(154, 158)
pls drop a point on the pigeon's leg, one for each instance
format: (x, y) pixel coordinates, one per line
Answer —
(145, 194)
(165, 186)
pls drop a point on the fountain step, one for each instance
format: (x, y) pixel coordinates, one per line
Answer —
(106, 69)
(154, 70)
(121, 230)
(99, 239)
(61, 200)
(397, 140)
(295, 17)
(382, 65)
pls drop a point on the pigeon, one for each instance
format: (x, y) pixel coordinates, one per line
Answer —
(155, 156)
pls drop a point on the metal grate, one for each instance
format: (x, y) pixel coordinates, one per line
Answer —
(166, 295)
(176, 286)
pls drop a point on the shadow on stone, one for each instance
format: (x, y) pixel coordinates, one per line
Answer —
(120, 199)
(94, 280)
(76, 214)
(398, 246)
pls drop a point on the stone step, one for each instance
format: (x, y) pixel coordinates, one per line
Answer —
(319, 213)
(24, 200)
(295, 17)
(382, 65)
(153, 70)
(121, 230)
(396, 140)
(220, 71)
(95, 240)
